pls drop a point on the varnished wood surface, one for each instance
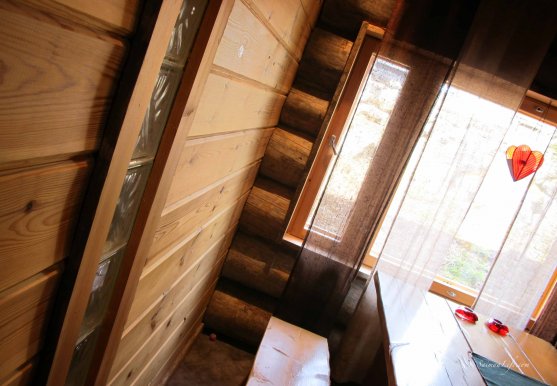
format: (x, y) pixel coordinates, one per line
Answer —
(251, 50)
(290, 356)
(427, 344)
(56, 87)
(229, 104)
(38, 208)
(198, 239)
(287, 20)
(255, 264)
(24, 311)
(185, 219)
(265, 210)
(196, 168)
(286, 156)
(520, 351)
(422, 339)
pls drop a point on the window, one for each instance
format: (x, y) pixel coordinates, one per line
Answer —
(477, 240)
(359, 86)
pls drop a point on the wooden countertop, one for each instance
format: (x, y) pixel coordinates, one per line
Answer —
(425, 344)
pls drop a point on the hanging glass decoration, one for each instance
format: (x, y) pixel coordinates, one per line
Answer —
(522, 161)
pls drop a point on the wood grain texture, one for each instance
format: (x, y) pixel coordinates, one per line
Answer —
(324, 59)
(182, 220)
(177, 357)
(265, 210)
(38, 208)
(287, 20)
(24, 310)
(238, 316)
(198, 239)
(435, 351)
(167, 274)
(304, 112)
(22, 376)
(22, 298)
(230, 104)
(255, 264)
(116, 16)
(312, 9)
(286, 157)
(167, 335)
(248, 48)
(184, 336)
(26, 304)
(206, 160)
(183, 295)
(56, 88)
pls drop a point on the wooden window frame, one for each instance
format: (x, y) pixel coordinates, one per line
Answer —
(337, 120)
(128, 111)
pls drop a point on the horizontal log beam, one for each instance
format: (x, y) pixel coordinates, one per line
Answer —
(239, 314)
(266, 208)
(258, 264)
(303, 112)
(345, 17)
(286, 157)
(323, 63)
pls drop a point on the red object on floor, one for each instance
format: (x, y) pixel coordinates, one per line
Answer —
(497, 327)
(466, 313)
(523, 161)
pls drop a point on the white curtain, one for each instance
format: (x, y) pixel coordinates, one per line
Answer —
(458, 213)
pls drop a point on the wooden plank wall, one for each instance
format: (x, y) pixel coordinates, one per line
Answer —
(59, 63)
(251, 75)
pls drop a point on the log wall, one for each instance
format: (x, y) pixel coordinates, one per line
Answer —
(259, 262)
(60, 61)
(240, 106)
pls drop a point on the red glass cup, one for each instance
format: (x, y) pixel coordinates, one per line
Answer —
(497, 327)
(466, 313)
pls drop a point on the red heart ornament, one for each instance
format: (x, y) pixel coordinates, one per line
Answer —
(523, 161)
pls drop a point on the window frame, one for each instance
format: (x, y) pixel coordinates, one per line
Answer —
(337, 119)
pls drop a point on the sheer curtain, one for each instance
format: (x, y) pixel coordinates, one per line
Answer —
(412, 64)
(457, 212)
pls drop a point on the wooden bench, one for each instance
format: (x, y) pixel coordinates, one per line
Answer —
(289, 356)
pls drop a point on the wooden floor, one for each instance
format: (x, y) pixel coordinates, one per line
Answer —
(213, 364)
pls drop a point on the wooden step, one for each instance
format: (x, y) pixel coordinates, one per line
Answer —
(323, 63)
(303, 112)
(258, 264)
(239, 313)
(265, 211)
(286, 157)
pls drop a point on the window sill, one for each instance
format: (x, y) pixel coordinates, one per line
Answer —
(295, 241)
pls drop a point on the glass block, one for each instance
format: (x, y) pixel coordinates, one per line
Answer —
(185, 30)
(81, 360)
(105, 278)
(157, 111)
(127, 206)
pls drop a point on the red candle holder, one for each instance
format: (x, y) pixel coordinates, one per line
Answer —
(467, 314)
(497, 327)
